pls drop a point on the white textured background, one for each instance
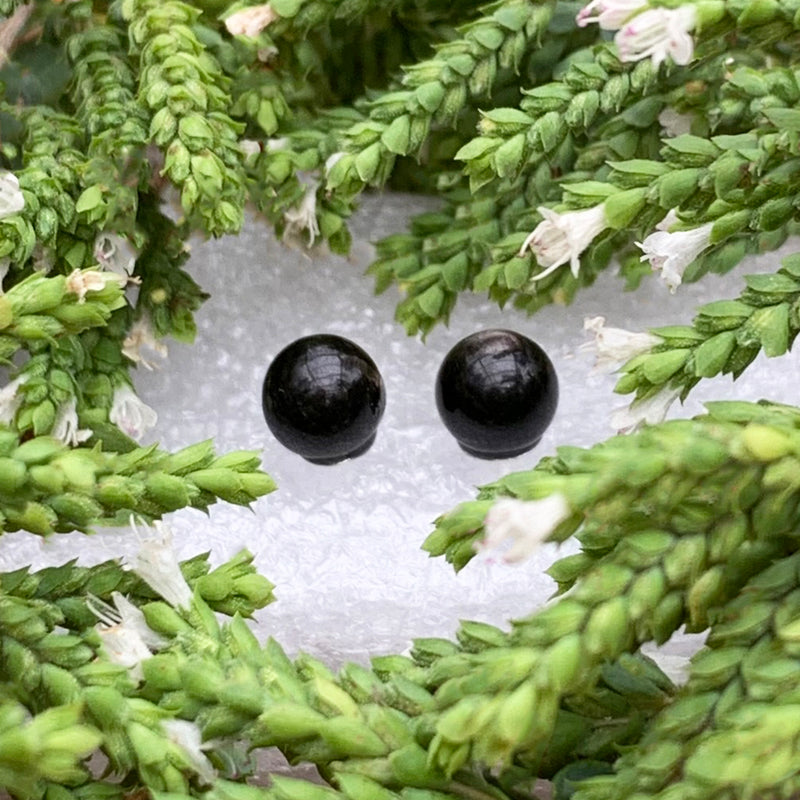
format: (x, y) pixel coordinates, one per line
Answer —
(342, 542)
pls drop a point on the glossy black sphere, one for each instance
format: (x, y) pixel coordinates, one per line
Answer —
(497, 392)
(323, 398)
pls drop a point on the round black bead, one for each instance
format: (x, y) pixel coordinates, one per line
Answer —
(323, 397)
(497, 392)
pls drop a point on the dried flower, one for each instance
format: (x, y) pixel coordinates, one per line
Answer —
(560, 238)
(613, 346)
(12, 201)
(647, 411)
(130, 414)
(610, 15)
(657, 33)
(65, 425)
(81, 282)
(126, 638)
(141, 337)
(674, 123)
(186, 736)
(115, 253)
(303, 217)
(250, 21)
(157, 565)
(526, 524)
(673, 252)
(11, 399)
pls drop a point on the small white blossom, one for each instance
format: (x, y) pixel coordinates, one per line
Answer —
(658, 33)
(303, 217)
(65, 425)
(649, 411)
(561, 238)
(80, 282)
(673, 123)
(130, 414)
(250, 21)
(276, 143)
(610, 15)
(668, 221)
(126, 638)
(139, 338)
(186, 736)
(5, 266)
(249, 147)
(157, 565)
(115, 253)
(11, 399)
(333, 159)
(12, 200)
(613, 346)
(673, 252)
(526, 524)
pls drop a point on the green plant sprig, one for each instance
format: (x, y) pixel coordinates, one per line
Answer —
(749, 666)
(47, 486)
(724, 338)
(185, 91)
(435, 91)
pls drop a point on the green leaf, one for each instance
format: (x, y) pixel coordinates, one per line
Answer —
(516, 272)
(659, 367)
(90, 199)
(397, 136)
(771, 327)
(710, 358)
(431, 301)
(476, 147)
(286, 8)
(430, 95)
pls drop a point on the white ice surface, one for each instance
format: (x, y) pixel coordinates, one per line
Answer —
(342, 543)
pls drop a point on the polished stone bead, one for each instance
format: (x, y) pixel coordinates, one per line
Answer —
(497, 392)
(323, 398)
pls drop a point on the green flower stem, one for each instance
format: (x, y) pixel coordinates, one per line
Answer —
(52, 160)
(104, 86)
(40, 309)
(233, 588)
(743, 689)
(435, 91)
(47, 487)
(182, 86)
(724, 338)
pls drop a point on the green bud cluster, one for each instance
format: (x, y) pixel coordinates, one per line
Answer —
(742, 689)
(53, 159)
(435, 91)
(47, 487)
(184, 89)
(724, 338)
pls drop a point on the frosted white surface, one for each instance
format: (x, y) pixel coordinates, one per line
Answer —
(342, 542)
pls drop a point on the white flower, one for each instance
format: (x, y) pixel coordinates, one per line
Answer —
(186, 736)
(65, 425)
(673, 252)
(674, 123)
(250, 21)
(157, 565)
(333, 159)
(91, 280)
(12, 200)
(560, 238)
(141, 337)
(126, 638)
(303, 217)
(668, 220)
(526, 524)
(608, 14)
(613, 346)
(649, 411)
(249, 148)
(658, 33)
(115, 253)
(130, 414)
(11, 399)
(5, 266)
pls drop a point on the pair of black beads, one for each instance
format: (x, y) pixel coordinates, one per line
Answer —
(496, 392)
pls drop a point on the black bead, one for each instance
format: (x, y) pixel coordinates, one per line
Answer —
(497, 392)
(323, 398)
